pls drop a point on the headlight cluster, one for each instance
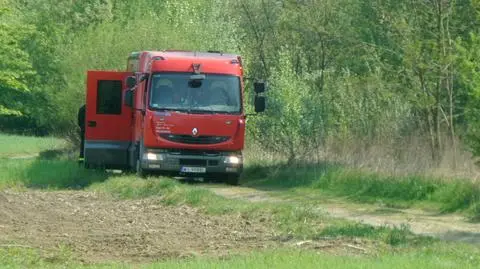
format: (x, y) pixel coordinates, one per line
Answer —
(153, 156)
(232, 160)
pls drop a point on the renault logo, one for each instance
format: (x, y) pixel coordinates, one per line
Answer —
(195, 132)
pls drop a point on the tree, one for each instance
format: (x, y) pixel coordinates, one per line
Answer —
(15, 67)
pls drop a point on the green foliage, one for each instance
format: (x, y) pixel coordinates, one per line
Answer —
(288, 124)
(16, 71)
(469, 62)
(344, 75)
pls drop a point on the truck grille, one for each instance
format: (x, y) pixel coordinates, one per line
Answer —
(197, 162)
(194, 152)
(188, 139)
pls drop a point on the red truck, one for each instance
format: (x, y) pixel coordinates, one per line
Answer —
(178, 112)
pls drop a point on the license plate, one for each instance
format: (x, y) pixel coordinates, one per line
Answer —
(187, 169)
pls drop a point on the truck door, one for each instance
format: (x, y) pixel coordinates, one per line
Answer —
(108, 120)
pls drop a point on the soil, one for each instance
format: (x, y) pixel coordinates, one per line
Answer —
(450, 227)
(98, 228)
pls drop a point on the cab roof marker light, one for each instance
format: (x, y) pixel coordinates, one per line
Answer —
(196, 68)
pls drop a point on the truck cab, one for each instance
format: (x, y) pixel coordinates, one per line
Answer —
(176, 112)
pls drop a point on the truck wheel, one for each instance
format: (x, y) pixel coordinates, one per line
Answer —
(140, 172)
(232, 179)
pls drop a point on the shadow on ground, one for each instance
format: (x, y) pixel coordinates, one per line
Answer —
(466, 237)
(58, 169)
(56, 154)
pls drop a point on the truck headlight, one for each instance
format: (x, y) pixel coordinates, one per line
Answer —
(153, 156)
(232, 160)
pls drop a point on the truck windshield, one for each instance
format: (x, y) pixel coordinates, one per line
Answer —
(217, 93)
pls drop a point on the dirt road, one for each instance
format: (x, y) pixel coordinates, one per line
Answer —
(452, 227)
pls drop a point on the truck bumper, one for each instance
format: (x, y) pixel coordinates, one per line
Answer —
(194, 164)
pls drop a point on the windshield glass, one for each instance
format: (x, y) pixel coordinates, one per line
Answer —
(217, 93)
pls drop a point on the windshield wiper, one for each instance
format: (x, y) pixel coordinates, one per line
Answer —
(227, 112)
(200, 111)
(168, 109)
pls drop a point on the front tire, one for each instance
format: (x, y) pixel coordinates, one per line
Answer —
(232, 179)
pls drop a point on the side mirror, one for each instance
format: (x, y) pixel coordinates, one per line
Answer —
(128, 99)
(131, 82)
(143, 77)
(260, 103)
(259, 87)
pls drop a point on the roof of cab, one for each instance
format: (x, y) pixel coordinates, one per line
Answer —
(186, 54)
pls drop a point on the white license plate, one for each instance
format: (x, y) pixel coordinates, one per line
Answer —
(187, 169)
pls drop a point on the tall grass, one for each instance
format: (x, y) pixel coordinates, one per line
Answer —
(448, 195)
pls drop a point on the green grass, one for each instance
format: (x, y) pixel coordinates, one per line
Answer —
(435, 256)
(15, 145)
(46, 174)
(446, 195)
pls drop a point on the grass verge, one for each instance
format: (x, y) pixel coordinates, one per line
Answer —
(436, 256)
(446, 195)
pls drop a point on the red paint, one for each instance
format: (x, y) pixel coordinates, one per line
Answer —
(107, 127)
(207, 125)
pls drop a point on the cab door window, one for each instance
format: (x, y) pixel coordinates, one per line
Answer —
(109, 97)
